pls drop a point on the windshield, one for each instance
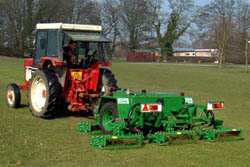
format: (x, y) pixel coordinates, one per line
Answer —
(87, 45)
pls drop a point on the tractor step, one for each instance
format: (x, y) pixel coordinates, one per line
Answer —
(109, 142)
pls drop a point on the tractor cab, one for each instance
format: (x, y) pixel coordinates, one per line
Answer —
(52, 40)
(60, 73)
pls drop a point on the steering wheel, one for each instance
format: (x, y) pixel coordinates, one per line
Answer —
(89, 58)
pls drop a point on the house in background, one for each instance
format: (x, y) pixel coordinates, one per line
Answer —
(191, 52)
(184, 52)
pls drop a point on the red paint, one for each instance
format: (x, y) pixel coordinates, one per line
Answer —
(25, 86)
(54, 61)
(140, 57)
(145, 108)
(44, 93)
(218, 106)
(75, 92)
(10, 95)
(27, 63)
(153, 107)
(108, 64)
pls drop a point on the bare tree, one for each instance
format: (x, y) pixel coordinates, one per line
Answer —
(222, 35)
(217, 20)
(19, 20)
(177, 24)
(3, 23)
(243, 25)
(50, 12)
(78, 10)
(111, 21)
(136, 21)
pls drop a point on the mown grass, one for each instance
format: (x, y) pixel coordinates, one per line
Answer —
(29, 141)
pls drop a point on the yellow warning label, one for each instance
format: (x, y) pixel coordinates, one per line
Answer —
(114, 137)
(178, 133)
(234, 130)
(76, 75)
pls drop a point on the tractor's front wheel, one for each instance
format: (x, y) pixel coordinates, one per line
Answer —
(108, 115)
(13, 96)
(43, 93)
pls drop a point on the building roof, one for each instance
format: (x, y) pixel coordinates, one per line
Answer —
(65, 26)
(193, 50)
(184, 49)
(141, 50)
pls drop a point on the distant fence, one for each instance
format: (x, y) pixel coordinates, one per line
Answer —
(236, 60)
(149, 57)
(140, 57)
(11, 52)
(191, 59)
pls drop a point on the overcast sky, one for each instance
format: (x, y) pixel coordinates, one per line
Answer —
(202, 2)
(197, 2)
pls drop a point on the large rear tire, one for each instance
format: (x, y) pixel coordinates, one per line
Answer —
(13, 96)
(107, 82)
(43, 93)
(108, 115)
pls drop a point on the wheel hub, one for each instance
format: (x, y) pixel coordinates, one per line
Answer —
(11, 97)
(38, 94)
(108, 120)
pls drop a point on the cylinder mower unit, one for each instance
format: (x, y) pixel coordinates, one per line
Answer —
(126, 119)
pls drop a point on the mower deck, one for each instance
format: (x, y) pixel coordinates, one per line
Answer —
(156, 118)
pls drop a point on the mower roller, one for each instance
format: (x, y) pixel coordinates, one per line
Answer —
(127, 120)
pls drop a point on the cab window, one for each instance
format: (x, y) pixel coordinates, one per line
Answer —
(41, 45)
(52, 44)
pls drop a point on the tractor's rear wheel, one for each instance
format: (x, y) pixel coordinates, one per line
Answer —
(108, 115)
(107, 82)
(13, 96)
(43, 93)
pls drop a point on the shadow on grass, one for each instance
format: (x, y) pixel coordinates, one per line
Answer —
(23, 105)
(63, 112)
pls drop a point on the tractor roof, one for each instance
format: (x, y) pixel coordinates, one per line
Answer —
(64, 26)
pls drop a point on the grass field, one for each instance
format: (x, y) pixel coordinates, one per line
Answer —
(32, 142)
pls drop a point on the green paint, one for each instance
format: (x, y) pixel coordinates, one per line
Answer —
(179, 119)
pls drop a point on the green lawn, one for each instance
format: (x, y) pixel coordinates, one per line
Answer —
(29, 141)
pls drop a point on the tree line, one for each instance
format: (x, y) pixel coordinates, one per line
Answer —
(221, 24)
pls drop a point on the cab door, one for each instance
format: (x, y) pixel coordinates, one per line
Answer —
(40, 48)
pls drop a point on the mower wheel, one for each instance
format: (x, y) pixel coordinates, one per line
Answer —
(107, 82)
(108, 115)
(13, 96)
(44, 89)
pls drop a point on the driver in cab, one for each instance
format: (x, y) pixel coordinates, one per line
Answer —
(70, 55)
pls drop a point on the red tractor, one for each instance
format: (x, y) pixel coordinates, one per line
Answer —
(51, 80)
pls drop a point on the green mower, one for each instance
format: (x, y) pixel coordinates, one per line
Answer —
(129, 120)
